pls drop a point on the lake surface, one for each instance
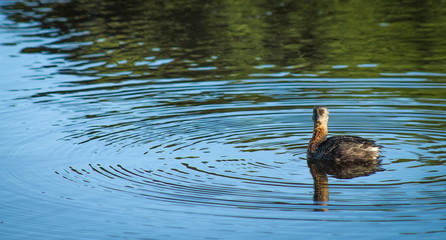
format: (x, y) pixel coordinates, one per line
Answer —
(190, 120)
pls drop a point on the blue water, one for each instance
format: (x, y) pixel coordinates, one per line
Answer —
(142, 120)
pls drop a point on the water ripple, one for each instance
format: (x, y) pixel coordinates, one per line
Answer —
(193, 120)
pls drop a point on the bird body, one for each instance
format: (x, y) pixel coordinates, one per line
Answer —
(347, 149)
(339, 149)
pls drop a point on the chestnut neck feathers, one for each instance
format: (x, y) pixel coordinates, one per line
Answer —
(320, 131)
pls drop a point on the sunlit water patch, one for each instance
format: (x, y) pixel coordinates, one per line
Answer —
(120, 129)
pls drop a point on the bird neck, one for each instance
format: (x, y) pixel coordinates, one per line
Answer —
(320, 133)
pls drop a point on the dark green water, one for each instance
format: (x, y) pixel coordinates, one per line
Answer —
(190, 119)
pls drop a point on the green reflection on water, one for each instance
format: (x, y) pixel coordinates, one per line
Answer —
(227, 39)
(396, 49)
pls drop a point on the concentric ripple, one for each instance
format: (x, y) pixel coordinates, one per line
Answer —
(242, 152)
(152, 120)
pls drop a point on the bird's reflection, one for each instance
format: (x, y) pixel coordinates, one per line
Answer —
(344, 170)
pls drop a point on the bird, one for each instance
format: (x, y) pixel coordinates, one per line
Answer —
(339, 150)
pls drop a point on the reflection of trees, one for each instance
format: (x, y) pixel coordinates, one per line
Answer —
(151, 41)
(154, 39)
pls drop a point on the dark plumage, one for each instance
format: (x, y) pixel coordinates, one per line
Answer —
(347, 149)
(339, 149)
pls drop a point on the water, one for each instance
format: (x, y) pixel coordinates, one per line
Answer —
(153, 120)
